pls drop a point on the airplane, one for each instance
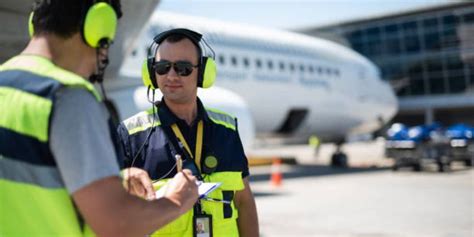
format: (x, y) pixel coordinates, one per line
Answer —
(277, 83)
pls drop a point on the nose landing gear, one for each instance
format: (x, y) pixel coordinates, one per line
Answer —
(339, 158)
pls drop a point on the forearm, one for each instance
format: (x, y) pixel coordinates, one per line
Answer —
(111, 211)
(141, 218)
(248, 218)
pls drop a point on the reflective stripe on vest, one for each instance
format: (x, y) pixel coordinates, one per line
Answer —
(221, 118)
(231, 181)
(33, 199)
(142, 121)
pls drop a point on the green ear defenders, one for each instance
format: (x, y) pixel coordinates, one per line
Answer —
(98, 27)
(207, 69)
(100, 24)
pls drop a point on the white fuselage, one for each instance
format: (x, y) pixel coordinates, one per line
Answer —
(340, 91)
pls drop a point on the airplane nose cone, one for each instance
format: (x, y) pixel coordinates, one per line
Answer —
(390, 103)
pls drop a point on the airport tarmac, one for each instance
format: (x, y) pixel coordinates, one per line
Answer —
(366, 200)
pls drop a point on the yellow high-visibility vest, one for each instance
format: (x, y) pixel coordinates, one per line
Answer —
(33, 198)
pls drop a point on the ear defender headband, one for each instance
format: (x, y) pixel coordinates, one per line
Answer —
(207, 69)
(31, 28)
(98, 27)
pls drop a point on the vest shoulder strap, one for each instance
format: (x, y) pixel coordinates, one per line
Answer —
(142, 121)
(44, 67)
(222, 118)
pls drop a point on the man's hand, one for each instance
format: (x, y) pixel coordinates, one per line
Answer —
(137, 182)
(182, 190)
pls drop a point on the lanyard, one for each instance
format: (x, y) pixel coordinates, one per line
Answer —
(198, 148)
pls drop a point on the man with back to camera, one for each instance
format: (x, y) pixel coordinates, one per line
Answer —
(58, 169)
(179, 132)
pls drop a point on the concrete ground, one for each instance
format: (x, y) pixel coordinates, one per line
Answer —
(365, 200)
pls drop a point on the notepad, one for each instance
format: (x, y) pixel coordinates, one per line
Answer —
(203, 189)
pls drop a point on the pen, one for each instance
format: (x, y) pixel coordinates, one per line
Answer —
(215, 200)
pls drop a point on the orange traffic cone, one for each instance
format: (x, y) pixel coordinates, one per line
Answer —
(276, 177)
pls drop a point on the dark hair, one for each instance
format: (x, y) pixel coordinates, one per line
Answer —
(174, 38)
(64, 17)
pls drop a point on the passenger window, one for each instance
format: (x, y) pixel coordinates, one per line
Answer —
(282, 66)
(246, 62)
(221, 59)
(233, 60)
(270, 64)
(320, 70)
(258, 62)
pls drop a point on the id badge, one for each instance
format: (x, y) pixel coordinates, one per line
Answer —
(202, 225)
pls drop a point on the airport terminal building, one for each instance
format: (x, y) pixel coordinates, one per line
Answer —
(427, 55)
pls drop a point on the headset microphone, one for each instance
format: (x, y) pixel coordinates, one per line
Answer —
(101, 64)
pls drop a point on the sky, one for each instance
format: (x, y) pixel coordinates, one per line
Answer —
(292, 14)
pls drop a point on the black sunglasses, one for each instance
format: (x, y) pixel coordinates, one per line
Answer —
(182, 68)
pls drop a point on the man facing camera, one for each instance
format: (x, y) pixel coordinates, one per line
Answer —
(179, 132)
